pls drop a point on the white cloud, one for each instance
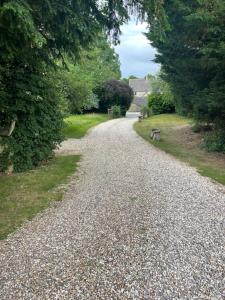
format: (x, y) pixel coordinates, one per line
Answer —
(136, 53)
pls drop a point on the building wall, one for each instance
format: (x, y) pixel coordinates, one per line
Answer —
(134, 108)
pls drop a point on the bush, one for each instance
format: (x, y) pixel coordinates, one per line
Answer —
(215, 141)
(114, 92)
(33, 101)
(146, 111)
(197, 127)
(116, 111)
(158, 105)
(76, 88)
(201, 127)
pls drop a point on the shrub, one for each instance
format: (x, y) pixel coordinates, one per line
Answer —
(197, 127)
(201, 127)
(33, 101)
(146, 111)
(114, 92)
(214, 141)
(116, 111)
(158, 105)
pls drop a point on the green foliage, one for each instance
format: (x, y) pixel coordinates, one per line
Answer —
(114, 92)
(100, 62)
(126, 80)
(116, 111)
(160, 86)
(77, 90)
(48, 29)
(18, 31)
(192, 55)
(197, 127)
(201, 127)
(146, 111)
(162, 99)
(31, 100)
(157, 105)
(77, 80)
(35, 36)
(215, 141)
(4, 156)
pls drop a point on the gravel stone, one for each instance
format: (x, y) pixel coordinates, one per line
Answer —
(135, 223)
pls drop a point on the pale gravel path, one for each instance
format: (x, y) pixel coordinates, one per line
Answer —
(137, 224)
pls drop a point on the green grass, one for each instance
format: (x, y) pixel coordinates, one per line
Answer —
(178, 139)
(78, 125)
(25, 194)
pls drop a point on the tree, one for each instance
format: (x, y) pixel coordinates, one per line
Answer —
(192, 57)
(34, 36)
(161, 99)
(78, 80)
(101, 62)
(158, 105)
(161, 87)
(126, 80)
(32, 101)
(114, 92)
(132, 77)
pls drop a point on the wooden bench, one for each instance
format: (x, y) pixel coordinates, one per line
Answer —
(155, 134)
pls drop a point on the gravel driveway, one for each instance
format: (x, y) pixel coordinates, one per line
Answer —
(135, 224)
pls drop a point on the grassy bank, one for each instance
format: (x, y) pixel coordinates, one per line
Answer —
(78, 125)
(23, 195)
(178, 139)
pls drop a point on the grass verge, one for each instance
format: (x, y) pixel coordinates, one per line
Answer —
(78, 125)
(178, 139)
(25, 194)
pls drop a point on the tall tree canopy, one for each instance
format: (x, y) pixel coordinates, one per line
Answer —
(50, 28)
(192, 55)
(34, 36)
(79, 79)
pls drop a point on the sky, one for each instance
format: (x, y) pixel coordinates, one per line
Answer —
(135, 52)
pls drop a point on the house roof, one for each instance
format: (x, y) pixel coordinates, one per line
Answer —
(140, 85)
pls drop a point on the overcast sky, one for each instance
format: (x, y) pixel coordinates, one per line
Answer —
(136, 54)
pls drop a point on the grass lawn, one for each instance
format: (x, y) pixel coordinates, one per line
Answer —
(78, 125)
(178, 139)
(25, 194)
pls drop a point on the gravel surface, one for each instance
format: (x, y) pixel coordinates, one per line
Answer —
(135, 224)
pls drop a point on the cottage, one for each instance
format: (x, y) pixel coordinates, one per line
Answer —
(142, 89)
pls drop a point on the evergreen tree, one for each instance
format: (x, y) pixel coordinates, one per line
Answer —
(192, 56)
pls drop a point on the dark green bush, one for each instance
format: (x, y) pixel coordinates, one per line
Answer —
(158, 106)
(214, 141)
(116, 111)
(33, 101)
(197, 127)
(201, 127)
(114, 92)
